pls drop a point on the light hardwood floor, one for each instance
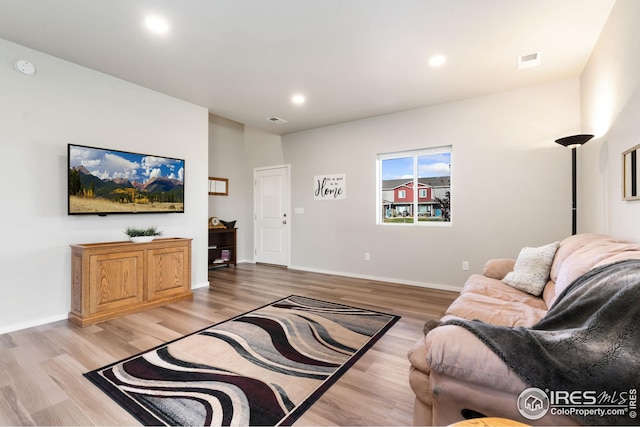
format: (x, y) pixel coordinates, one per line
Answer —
(41, 368)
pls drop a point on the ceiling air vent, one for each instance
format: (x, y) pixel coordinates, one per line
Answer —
(277, 120)
(530, 60)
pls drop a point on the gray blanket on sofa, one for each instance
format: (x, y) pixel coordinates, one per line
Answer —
(588, 341)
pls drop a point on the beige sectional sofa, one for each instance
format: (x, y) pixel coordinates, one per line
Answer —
(454, 375)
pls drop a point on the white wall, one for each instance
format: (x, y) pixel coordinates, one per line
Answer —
(234, 151)
(226, 160)
(65, 103)
(511, 186)
(261, 149)
(610, 86)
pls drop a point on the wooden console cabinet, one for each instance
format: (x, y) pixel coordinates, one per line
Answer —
(112, 279)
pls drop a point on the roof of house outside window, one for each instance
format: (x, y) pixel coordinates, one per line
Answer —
(440, 181)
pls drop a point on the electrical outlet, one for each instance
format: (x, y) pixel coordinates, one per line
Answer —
(367, 256)
(465, 265)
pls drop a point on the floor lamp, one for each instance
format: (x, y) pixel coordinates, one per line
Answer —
(573, 142)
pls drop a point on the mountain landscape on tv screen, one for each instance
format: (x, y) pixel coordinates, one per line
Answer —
(91, 194)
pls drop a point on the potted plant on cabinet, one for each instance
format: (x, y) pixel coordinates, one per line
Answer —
(140, 235)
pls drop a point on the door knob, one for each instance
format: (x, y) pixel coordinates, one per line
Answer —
(284, 222)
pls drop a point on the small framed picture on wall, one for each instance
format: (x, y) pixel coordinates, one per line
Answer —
(630, 173)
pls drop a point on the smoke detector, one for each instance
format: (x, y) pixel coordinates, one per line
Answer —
(25, 67)
(529, 60)
(277, 120)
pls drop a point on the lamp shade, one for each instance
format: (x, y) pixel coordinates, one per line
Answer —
(574, 140)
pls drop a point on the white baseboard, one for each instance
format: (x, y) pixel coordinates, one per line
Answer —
(32, 323)
(379, 279)
(199, 285)
(51, 319)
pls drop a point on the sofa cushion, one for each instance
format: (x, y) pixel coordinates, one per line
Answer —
(572, 244)
(480, 284)
(531, 271)
(593, 254)
(456, 352)
(632, 252)
(549, 293)
(498, 268)
(496, 311)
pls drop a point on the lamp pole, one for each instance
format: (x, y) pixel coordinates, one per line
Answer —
(574, 192)
(573, 142)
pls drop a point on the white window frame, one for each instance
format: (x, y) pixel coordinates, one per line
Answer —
(414, 154)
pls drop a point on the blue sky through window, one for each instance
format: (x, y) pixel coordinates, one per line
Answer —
(431, 165)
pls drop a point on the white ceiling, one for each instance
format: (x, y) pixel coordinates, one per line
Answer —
(244, 59)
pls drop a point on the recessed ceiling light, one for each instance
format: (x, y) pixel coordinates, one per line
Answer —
(298, 99)
(25, 67)
(156, 24)
(437, 60)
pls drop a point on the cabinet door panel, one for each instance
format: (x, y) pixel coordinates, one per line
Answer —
(116, 281)
(168, 272)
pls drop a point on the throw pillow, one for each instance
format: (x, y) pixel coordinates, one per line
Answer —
(531, 271)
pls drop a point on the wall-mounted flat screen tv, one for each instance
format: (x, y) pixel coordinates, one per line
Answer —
(103, 181)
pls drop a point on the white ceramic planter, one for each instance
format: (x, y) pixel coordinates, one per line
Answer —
(142, 239)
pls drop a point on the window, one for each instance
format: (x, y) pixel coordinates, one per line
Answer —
(414, 187)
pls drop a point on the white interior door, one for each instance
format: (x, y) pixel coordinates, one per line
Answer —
(272, 216)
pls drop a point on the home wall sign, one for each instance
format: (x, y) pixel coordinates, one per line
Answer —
(330, 187)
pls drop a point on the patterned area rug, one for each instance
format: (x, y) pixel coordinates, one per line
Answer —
(264, 367)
